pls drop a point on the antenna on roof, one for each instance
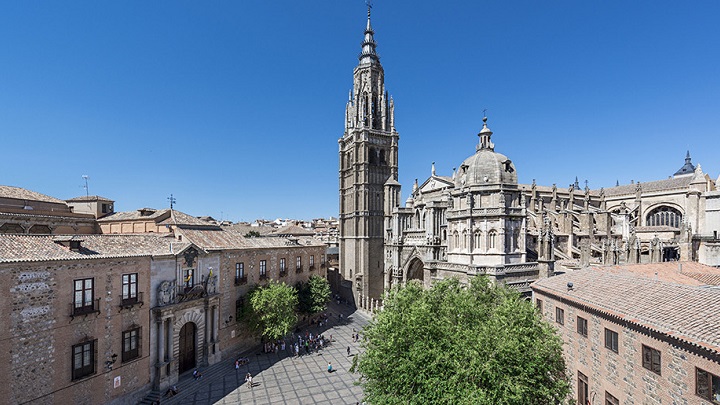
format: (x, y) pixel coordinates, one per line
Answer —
(172, 201)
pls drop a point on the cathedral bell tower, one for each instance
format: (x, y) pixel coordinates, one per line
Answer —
(368, 159)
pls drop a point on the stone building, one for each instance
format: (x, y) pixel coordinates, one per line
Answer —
(368, 159)
(480, 220)
(24, 211)
(644, 333)
(469, 224)
(77, 324)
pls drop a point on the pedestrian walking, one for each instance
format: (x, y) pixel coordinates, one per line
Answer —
(348, 350)
(248, 380)
(237, 364)
(330, 370)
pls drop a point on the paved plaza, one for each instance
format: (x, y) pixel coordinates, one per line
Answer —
(281, 378)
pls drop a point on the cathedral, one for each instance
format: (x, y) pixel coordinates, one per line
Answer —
(481, 221)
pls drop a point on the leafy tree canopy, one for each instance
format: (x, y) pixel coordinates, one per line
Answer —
(273, 309)
(452, 344)
(313, 295)
(252, 234)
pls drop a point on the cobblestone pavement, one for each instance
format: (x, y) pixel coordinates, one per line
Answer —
(281, 378)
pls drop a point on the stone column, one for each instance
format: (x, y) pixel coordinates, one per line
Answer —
(161, 341)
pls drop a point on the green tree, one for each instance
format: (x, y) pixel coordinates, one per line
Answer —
(273, 309)
(252, 234)
(313, 295)
(451, 344)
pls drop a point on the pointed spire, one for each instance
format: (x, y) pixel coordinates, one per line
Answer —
(577, 184)
(433, 169)
(687, 168)
(368, 54)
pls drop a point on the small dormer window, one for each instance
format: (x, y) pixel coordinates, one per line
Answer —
(74, 245)
(508, 166)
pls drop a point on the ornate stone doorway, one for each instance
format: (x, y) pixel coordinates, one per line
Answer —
(188, 335)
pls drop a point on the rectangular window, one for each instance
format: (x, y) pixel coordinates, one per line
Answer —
(582, 326)
(240, 273)
(129, 288)
(322, 260)
(583, 391)
(707, 385)
(282, 264)
(83, 360)
(611, 400)
(298, 263)
(83, 297)
(560, 316)
(651, 359)
(611, 340)
(312, 262)
(131, 344)
(263, 269)
(538, 305)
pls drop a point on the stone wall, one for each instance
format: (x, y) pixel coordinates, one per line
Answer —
(38, 331)
(622, 374)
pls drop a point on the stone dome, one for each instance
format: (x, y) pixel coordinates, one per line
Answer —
(486, 167)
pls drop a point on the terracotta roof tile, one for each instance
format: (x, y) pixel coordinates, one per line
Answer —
(27, 248)
(89, 198)
(24, 194)
(135, 215)
(690, 313)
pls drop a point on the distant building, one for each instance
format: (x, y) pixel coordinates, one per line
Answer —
(24, 211)
(644, 333)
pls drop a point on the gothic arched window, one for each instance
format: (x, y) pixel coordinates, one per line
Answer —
(478, 236)
(492, 235)
(664, 216)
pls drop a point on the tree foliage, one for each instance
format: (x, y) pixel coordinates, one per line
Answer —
(451, 344)
(273, 309)
(252, 234)
(313, 295)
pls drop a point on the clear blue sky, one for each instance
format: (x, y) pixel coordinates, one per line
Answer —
(235, 107)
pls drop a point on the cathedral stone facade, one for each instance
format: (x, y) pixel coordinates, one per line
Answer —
(368, 160)
(480, 221)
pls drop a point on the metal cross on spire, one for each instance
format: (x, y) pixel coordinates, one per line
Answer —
(172, 201)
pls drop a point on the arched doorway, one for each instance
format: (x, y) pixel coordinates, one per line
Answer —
(188, 335)
(415, 270)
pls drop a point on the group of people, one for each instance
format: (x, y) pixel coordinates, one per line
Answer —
(310, 343)
(274, 347)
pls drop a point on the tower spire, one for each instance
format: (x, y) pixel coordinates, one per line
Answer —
(368, 55)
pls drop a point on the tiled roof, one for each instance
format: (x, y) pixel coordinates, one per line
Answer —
(181, 218)
(658, 185)
(24, 194)
(243, 229)
(688, 313)
(31, 248)
(688, 273)
(226, 240)
(292, 230)
(89, 198)
(134, 215)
